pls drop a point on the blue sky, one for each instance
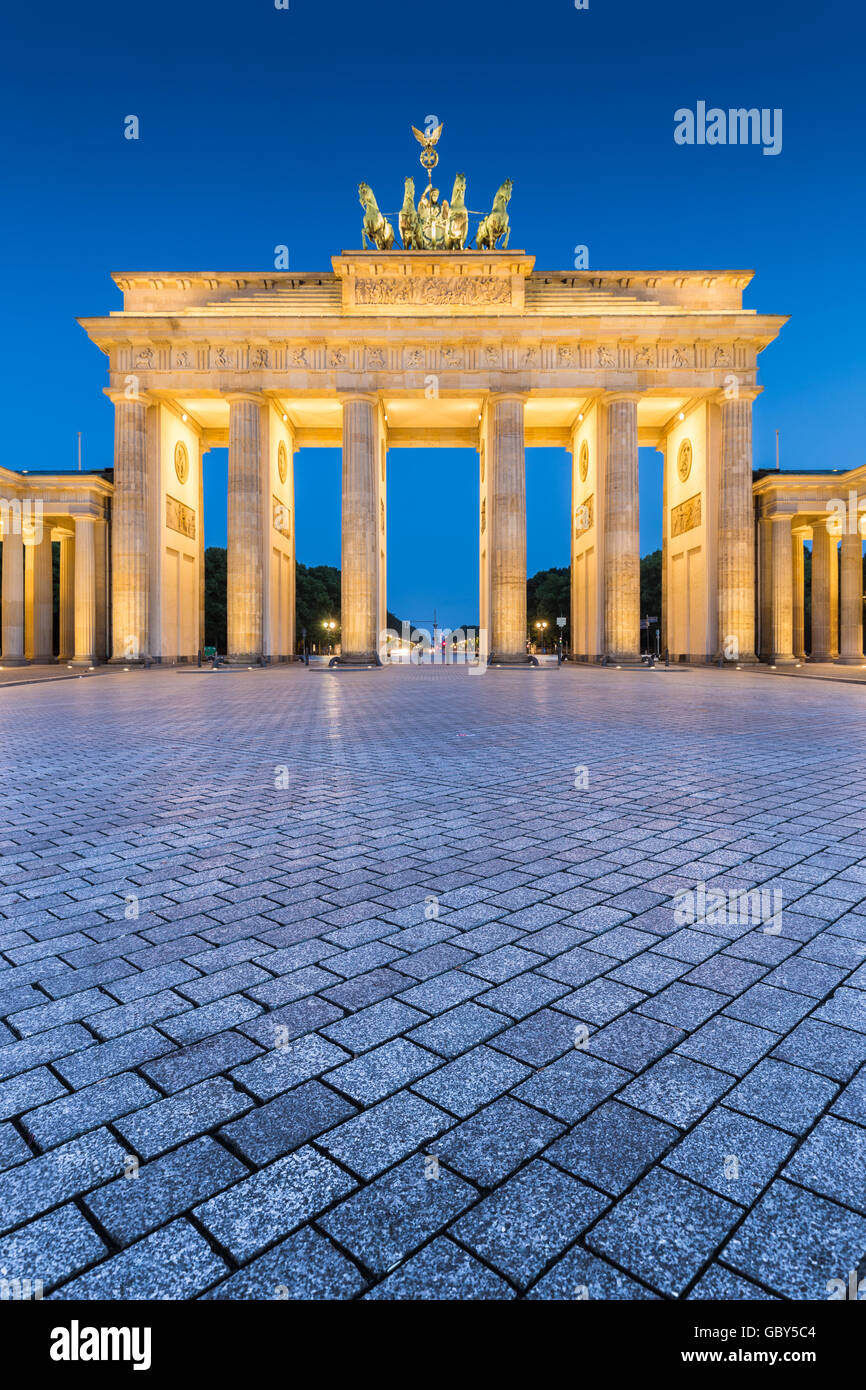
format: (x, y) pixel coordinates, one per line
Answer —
(257, 125)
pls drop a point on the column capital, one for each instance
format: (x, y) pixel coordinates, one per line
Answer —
(495, 397)
(347, 397)
(238, 397)
(120, 396)
(744, 393)
(611, 397)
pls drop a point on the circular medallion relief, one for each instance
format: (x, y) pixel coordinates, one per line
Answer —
(181, 461)
(684, 460)
(282, 461)
(583, 461)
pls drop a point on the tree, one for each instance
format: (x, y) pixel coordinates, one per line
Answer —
(548, 597)
(215, 603)
(651, 586)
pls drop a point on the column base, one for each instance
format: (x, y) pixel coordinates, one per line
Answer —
(850, 660)
(782, 659)
(86, 661)
(521, 659)
(14, 661)
(823, 659)
(359, 661)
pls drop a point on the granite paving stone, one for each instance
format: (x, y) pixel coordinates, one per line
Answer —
(457, 1030)
(83, 1110)
(496, 1140)
(50, 1249)
(521, 1226)
(271, 1130)
(464, 1085)
(580, 1275)
(304, 1267)
(572, 1086)
(185, 1115)
(442, 1271)
(612, 1147)
(731, 1154)
(782, 1095)
(794, 1242)
(382, 1135)
(175, 1262)
(832, 1162)
(288, 1065)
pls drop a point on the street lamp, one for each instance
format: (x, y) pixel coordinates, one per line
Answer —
(330, 627)
(542, 628)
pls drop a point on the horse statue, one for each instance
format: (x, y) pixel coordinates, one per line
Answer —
(457, 225)
(495, 224)
(376, 228)
(408, 220)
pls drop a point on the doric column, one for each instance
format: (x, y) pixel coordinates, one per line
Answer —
(852, 599)
(507, 491)
(782, 594)
(245, 528)
(798, 572)
(67, 599)
(765, 588)
(13, 598)
(621, 532)
(130, 533)
(825, 594)
(360, 562)
(201, 546)
(736, 583)
(85, 590)
(39, 601)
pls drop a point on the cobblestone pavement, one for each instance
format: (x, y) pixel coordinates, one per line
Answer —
(338, 984)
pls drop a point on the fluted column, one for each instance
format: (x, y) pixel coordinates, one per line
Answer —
(13, 598)
(67, 599)
(245, 529)
(825, 594)
(622, 532)
(736, 584)
(765, 588)
(85, 590)
(852, 599)
(782, 592)
(130, 533)
(39, 601)
(507, 490)
(359, 601)
(798, 575)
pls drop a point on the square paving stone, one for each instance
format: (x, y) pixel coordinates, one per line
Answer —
(623, 942)
(804, 976)
(725, 973)
(50, 1249)
(664, 1230)
(538, 1039)
(31, 1088)
(458, 1029)
(580, 1275)
(442, 992)
(729, 1044)
(499, 966)
(832, 1162)
(795, 1243)
(287, 1066)
(283, 1124)
(677, 1089)
(175, 1263)
(469, 1082)
(685, 1006)
(649, 972)
(572, 1086)
(851, 1104)
(525, 1223)
(821, 1047)
(185, 1115)
(600, 1001)
(306, 1266)
(490, 1145)
(613, 1146)
(384, 1222)
(782, 1095)
(386, 1069)
(731, 1154)
(770, 1007)
(131, 1206)
(523, 995)
(377, 1024)
(442, 1271)
(721, 1285)
(271, 1203)
(577, 966)
(847, 1008)
(633, 1041)
(382, 1135)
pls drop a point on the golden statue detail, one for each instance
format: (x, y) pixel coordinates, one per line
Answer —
(434, 226)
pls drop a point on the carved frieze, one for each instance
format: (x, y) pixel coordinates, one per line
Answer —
(435, 290)
(686, 516)
(179, 517)
(584, 516)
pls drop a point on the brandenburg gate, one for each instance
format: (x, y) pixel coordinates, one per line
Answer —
(434, 345)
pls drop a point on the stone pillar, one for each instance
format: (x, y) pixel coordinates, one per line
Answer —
(85, 590)
(852, 599)
(13, 599)
(798, 573)
(130, 533)
(736, 584)
(507, 526)
(67, 599)
(825, 594)
(360, 572)
(621, 532)
(765, 588)
(246, 569)
(782, 602)
(201, 545)
(39, 601)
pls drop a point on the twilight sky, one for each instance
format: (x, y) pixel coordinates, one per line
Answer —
(257, 125)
